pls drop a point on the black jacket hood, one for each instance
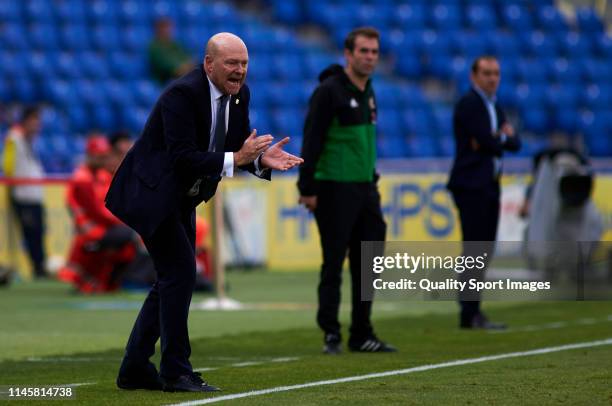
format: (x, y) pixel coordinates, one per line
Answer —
(331, 70)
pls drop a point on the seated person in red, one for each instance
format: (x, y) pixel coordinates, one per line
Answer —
(103, 246)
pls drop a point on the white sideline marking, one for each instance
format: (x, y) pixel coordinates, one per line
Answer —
(250, 363)
(421, 368)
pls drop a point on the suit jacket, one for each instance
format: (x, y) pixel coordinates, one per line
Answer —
(172, 154)
(474, 168)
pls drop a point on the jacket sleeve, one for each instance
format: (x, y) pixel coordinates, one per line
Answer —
(177, 109)
(318, 120)
(477, 128)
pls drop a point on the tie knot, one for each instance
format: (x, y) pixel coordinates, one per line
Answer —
(223, 98)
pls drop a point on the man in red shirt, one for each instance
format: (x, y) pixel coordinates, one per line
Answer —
(102, 245)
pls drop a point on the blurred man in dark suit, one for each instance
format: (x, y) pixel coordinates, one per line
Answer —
(482, 133)
(198, 132)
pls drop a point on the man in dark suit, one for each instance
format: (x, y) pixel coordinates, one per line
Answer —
(482, 133)
(198, 132)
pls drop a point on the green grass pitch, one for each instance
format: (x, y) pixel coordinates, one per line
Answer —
(49, 336)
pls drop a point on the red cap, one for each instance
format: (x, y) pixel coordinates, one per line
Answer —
(97, 145)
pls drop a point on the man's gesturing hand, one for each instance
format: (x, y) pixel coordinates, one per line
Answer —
(252, 147)
(275, 158)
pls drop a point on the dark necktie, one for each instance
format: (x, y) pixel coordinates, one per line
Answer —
(219, 135)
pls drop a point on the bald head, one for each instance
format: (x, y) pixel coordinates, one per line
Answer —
(226, 62)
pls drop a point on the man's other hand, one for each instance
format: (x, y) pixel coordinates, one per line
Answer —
(252, 148)
(275, 158)
(310, 202)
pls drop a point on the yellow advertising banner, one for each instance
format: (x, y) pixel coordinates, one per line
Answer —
(417, 207)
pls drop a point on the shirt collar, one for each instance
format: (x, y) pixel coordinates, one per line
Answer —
(214, 91)
(485, 97)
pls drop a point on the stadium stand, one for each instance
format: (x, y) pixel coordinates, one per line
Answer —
(86, 61)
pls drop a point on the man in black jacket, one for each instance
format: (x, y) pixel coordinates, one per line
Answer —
(198, 132)
(338, 184)
(482, 133)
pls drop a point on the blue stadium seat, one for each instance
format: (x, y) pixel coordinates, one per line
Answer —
(102, 11)
(470, 44)
(388, 122)
(136, 38)
(603, 45)
(505, 45)
(280, 97)
(386, 95)
(135, 12)
(39, 66)
(118, 93)
(79, 120)
(597, 70)
(566, 119)
(588, 20)
(564, 96)
(445, 16)
(25, 90)
(89, 93)
(38, 11)
(12, 64)
(530, 95)
(506, 93)
(536, 120)
(440, 65)
(146, 92)
(10, 11)
(516, 17)
(410, 16)
(443, 117)
(134, 119)
(94, 65)
(67, 66)
(575, 45)
(260, 120)
(289, 12)
(417, 121)
(409, 64)
(539, 44)
(287, 66)
(531, 70)
(75, 37)
(70, 11)
(595, 125)
(105, 37)
(103, 118)
(163, 9)
(391, 147)
(421, 146)
(597, 96)
(372, 15)
(550, 19)
(14, 37)
(481, 17)
(43, 36)
(130, 66)
(6, 95)
(446, 144)
(287, 122)
(563, 70)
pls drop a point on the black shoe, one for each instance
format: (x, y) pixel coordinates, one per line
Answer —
(189, 383)
(481, 322)
(333, 344)
(139, 378)
(371, 344)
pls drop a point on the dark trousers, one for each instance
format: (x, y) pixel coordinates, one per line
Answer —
(31, 220)
(166, 308)
(479, 216)
(346, 214)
